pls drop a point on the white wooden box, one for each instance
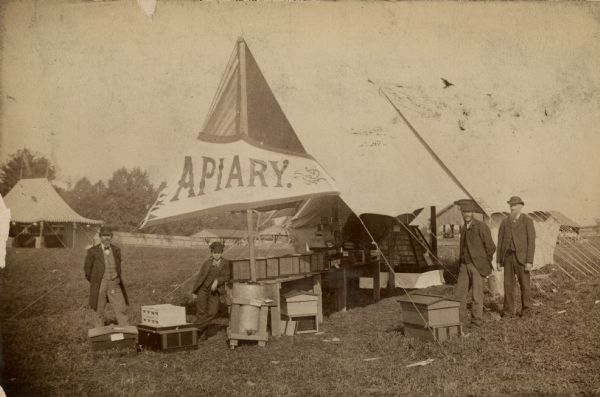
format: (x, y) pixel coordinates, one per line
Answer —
(300, 304)
(163, 315)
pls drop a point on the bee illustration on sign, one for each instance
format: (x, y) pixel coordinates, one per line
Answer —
(310, 176)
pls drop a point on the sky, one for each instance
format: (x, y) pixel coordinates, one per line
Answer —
(99, 85)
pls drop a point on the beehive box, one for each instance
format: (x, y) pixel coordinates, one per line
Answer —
(429, 310)
(286, 266)
(298, 303)
(181, 337)
(166, 315)
(305, 261)
(240, 269)
(113, 337)
(317, 262)
(261, 268)
(440, 333)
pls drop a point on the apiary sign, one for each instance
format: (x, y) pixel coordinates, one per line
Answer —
(237, 176)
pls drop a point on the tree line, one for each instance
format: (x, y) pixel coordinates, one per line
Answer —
(121, 201)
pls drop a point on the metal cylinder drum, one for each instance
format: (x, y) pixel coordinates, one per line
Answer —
(249, 315)
(249, 291)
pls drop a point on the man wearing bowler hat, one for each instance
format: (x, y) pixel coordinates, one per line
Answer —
(516, 248)
(103, 270)
(210, 284)
(476, 252)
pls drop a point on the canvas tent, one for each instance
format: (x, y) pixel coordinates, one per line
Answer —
(40, 217)
(226, 236)
(546, 229)
(247, 156)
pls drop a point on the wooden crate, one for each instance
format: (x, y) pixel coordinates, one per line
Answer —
(428, 310)
(167, 339)
(166, 315)
(440, 333)
(113, 337)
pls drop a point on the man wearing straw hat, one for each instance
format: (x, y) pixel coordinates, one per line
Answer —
(516, 248)
(476, 252)
(210, 284)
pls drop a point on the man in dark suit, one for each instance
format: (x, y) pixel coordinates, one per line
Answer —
(516, 248)
(209, 287)
(476, 251)
(103, 270)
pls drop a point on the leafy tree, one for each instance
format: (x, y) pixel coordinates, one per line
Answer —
(127, 198)
(87, 199)
(24, 164)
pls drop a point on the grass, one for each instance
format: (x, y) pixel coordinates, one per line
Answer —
(46, 351)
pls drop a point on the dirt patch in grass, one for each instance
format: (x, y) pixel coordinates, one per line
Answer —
(46, 351)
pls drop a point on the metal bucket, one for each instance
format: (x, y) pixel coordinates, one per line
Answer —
(249, 291)
(249, 315)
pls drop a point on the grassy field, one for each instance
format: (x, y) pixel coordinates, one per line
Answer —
(46, 351)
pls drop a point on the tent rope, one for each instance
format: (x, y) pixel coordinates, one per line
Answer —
(403, 289)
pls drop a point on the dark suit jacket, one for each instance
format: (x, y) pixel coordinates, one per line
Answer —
(523, 233)
(94, 271)
(480, 244)
(222, 279)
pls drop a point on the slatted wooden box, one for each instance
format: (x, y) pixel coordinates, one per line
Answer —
(428, 310)
(113, 337)
(175, 338)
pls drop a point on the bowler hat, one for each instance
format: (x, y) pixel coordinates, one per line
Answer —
(515, 200)
(467, 205)
(106, 231)
(216, 246)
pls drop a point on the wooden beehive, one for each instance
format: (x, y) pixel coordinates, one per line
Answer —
(298, 303)
(305, 261)
(429, 310)
(183, 337)
(440, 333)
(166, 315)
(286, 266)
(272, 267)
(113, 337)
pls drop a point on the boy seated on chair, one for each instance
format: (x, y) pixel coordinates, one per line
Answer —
(210, 286)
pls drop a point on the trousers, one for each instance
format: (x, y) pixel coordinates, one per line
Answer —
(512, 267)
(468, 274)
(110, 291)
(207, 305)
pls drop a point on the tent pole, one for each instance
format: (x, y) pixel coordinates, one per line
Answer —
(74, 235)
(251, 245)
(433, 228)
(430, 150)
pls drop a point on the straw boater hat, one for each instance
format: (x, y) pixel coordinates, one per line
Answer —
(515, 200)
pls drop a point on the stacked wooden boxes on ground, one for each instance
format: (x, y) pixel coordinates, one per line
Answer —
(430, 317)
(164, 328)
